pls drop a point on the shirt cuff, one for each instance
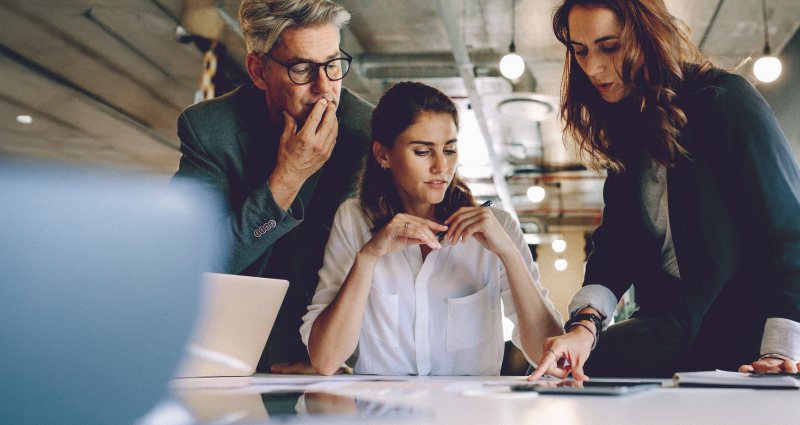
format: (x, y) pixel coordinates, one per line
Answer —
(599, 298)
(308, 322)
(296, 210)
(781, 336)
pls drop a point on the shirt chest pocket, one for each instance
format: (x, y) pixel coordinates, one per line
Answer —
(381, 317)
(469, 320)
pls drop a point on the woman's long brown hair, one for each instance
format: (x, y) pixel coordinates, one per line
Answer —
(398, 109)
(658, 57)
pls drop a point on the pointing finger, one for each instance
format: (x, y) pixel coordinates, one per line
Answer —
(547, 361)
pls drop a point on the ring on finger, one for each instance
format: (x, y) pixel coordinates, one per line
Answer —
(550, 350)
(408, 224)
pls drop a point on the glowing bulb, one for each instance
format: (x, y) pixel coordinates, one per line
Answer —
(559, 245)
(561, 265)
(767, 69)
(24, 119)
(512, 66)
(536, 193)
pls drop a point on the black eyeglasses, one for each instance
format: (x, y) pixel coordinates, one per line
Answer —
(304, 72)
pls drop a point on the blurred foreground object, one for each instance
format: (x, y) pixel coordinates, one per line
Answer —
(100, 277)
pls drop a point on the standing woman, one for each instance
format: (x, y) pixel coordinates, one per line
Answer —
(392, 293)
(702, 204)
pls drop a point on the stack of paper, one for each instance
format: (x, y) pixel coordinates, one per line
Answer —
(721, 378)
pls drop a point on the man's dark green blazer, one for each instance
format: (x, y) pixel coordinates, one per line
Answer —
(230, 144)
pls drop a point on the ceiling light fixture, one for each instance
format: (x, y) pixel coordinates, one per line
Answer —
(512, 66)
(536, 193)
(526, 108)
(768, 67)
(561, 264)
(24, 119)
(559, 245)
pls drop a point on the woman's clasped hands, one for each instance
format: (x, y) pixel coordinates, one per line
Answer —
(401, 232)
(405, 230)
(481, 224)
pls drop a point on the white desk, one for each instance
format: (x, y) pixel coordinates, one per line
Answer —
(466, 400)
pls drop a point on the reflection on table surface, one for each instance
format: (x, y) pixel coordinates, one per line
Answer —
(591, 384)
(228, 408)
(476, 400)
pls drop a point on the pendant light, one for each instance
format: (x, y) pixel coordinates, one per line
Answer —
(536, 194)
(768, 68)
(512, 66)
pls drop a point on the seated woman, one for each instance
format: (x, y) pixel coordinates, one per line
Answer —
(391, 292)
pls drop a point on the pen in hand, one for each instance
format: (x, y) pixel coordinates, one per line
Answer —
(442, 233)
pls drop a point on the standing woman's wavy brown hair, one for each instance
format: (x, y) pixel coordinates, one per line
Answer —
(658, 56)
(398, 109)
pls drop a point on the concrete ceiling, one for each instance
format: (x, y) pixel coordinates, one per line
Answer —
(105, 80)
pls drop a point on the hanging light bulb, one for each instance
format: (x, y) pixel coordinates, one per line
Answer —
(536, 193)
(768, 68)
(511, 65)
(561, 264)
(559, 245)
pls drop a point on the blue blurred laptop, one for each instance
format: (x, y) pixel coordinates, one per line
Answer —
(100, 279)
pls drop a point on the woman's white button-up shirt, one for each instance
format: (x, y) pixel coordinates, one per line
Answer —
(437, 317)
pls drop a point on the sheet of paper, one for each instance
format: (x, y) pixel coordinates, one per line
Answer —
(369, 383)
(269, 379)
(520, 381)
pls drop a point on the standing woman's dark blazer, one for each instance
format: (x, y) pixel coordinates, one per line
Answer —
(734, 213)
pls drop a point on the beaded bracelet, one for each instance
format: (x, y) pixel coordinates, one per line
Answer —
(777, 356)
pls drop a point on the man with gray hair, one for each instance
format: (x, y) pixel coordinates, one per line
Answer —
(284, 152)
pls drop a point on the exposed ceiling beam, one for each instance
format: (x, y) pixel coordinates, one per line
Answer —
(232, 22)
(99, 102)
(710, 25)
(466, 69)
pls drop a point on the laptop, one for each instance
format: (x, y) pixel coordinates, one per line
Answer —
(235, 320)
(100, 283)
